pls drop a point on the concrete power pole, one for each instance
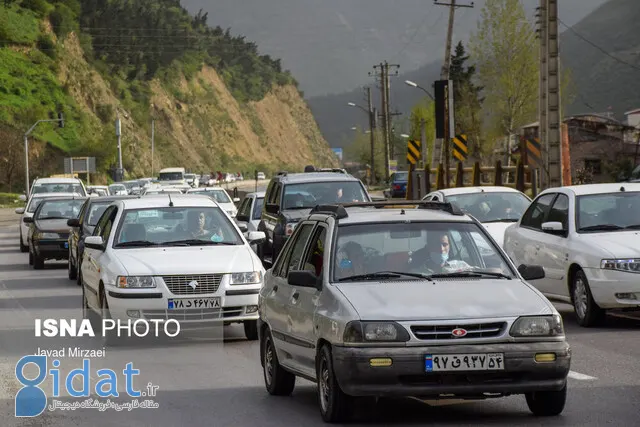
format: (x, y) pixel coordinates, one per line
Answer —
(372, 131)
(542, 100)
(153, 143)
(120, 171)
(553, 155)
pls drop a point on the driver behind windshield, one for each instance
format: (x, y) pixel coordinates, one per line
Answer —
(435, 255)
(196, 222)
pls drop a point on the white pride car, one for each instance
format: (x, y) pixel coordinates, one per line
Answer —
(587, 239)
(221, 197)
(171, 257)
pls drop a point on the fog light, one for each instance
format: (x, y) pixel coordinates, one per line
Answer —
(545, 357)
(380, 362)
(626, 296)
(133, 313)
(252, 309)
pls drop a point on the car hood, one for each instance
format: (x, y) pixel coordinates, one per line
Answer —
(186, 260)
(227, 207)
(620, 244)
(55, 225)
(444, 299)
(497, 229)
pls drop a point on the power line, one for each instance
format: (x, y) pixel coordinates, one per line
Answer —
(583, 38)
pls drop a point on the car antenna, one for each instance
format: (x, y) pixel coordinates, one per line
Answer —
(621, 188)
(170, 201)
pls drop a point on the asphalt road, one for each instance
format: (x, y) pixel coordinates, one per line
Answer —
(203, 381)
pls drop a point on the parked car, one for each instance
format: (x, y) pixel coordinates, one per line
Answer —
(261, 176)
(398, 184)
(586, 239)
(250, 212)
(48, 231)
(118, 189)
(364, 302)
(220, 196)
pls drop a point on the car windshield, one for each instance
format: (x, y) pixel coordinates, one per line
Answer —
(492, 207)
(257, 209)
(117, 187)
(170, 176)
(310, 194)
(59, 209)
(176, 226)
(58, 188)
(422, 249)
(608, 212)
(401, 176)
(97, 209)
(189, 176)
(33, 205)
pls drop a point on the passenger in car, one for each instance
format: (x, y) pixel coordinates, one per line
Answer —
(435, 255)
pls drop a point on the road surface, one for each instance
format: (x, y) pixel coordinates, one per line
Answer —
(202, 381)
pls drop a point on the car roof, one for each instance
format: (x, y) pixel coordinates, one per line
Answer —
(314, 176)
(205, 189)
(586, 189)
(61, 199)
(471, 190)
(162, 200)
(108, 199)
(57, 181)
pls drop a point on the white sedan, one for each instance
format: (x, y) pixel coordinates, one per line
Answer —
(495, 207)
(586, 237)
(184, 259)
(221, 197)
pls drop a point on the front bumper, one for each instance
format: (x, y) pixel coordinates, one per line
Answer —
(605, 284)
(407, 376)
(52, 249)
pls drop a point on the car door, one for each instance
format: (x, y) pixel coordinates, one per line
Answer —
(277, 301)
(304, 301)
(76, 233)
(524, 242)
(554, 254)
(256, 212)
(94, 258)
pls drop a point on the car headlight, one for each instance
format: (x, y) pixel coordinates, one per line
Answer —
(136, 282)
(48, 236)
(358, 331)
(538, 326)
(631, 265)
(249, 278)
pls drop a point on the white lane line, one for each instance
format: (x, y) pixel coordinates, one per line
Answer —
(581, 377)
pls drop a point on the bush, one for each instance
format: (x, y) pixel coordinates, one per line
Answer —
(40, 7)
(46, 45)
(63, 20)
(105, 112)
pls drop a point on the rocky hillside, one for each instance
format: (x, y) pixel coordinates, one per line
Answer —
(217, 103)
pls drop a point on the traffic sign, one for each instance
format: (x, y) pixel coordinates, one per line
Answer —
(413, 151)
(534, 151)
(460, 147)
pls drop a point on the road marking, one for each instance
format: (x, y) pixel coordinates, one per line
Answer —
(581, 377)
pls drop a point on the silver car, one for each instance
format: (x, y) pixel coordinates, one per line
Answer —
(401, 302)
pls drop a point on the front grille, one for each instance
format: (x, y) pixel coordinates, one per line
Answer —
(198, 314)
(179, 285)
(445, 332)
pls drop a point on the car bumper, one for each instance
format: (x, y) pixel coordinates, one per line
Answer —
(606, 287)
(52, 249)
(407, 376)
(153, 304)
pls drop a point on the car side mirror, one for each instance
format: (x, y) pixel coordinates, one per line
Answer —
(20, 211)
(304, 279)
(242, 218)
(22, 198)
(272, 208)
(73, 222)
(553, 227)
(243, 226)
(531, 272)
(27, 220)
(94, 242)
(236, 200)
(256, 237)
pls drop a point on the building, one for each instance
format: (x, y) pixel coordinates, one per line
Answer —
(633, 118)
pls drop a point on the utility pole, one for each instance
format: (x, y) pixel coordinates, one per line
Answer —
(444, 144)
(120, 171)
(542, 97)
(372, 128)
(553, 133)
(386, 114)
(153, 134)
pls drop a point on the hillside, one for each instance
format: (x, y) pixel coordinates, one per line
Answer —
(331, 45)
(604, 82)
(217, 103)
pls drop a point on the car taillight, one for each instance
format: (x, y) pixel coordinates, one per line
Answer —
(396, 186)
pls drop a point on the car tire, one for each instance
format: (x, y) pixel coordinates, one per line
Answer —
(588, 313)
(251, 329)
(547, 403)
(88, 313)
(23, 248)
(110, 337)
(71, 268)
(38, 262)
(335, 405)
(277, 380)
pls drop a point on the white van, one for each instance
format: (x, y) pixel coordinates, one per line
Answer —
(172, 176)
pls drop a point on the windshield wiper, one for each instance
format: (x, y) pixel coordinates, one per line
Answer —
(471, 273)
(383, 275)
(51, 217)
(601, 227)
(195, 242)
(133, 243)
(501, 220)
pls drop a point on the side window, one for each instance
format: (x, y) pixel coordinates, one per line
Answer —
(314, 260)
(83, 212)
(106, 231)
(535, 215)
(560, 211)
(296, 252)
(435, 198)
(278, 193)
(270, 192)
(102, 222)
(245, 207)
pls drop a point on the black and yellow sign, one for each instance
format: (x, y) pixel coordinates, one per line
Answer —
(460, 147)
(534, 151)
(413, 151)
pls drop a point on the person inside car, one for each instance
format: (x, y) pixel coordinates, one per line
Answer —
(434, 256)
(351, 260)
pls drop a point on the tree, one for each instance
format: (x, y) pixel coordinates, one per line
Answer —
(467, 100)
(359, 150)
(505, 51)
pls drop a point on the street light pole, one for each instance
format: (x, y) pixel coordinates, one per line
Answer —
(59, 120)
(371, 113)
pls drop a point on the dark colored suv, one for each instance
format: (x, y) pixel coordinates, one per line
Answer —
(291, 196)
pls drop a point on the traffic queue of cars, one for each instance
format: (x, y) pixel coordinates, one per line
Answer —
(450, 300)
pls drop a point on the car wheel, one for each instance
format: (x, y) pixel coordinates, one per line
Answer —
(38, 262)
(71, 268)
(88, 313)
(547, 403)
(587, 311)
(251, 329)
(277, 381)
(23, 248)
(335, 405)
(110, 337)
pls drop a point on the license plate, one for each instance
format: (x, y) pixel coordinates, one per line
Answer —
(463, 362)
(176, 304)
(66, 245)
